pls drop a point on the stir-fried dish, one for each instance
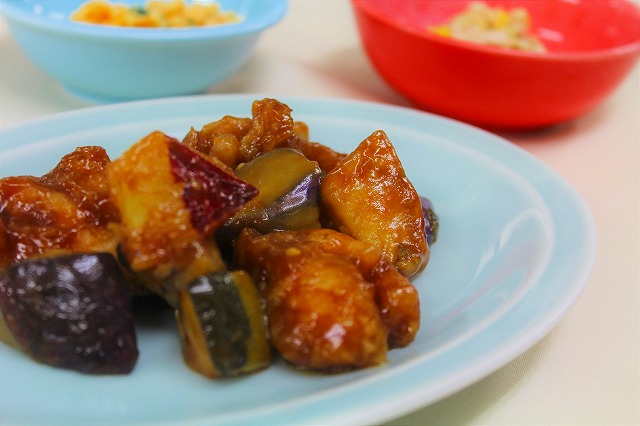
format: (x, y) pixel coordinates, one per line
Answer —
(264, 243)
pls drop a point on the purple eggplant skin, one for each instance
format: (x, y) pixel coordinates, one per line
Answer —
(288, 198)
(72, 312)
(431, 221)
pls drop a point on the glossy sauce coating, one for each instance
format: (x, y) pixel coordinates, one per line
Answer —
(65, 210)
(368, 196)
(210, 194)
(72, 312)
(171, 199)
(234, 140)
(332, 302)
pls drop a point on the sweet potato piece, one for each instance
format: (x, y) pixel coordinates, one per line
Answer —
(332, 302)
(64, 211)
(368, 196)
(171, 199)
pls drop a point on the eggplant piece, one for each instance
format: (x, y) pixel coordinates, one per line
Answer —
(288, 197)
(369, 196)
(222, 325)
(431, 221)
(71, 312)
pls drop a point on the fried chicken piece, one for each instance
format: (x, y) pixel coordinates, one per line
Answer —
(220, 139)
(332, 302)
(65, 211)
(272, 126)
(234, 140)
(326, 157)
(396, 297)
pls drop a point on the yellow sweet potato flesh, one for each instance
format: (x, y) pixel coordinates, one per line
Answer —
(168, 211)
(368, 196)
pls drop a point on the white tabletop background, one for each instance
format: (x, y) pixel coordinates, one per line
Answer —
(587, 370)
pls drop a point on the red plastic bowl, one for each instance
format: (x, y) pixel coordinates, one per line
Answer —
(592, 45)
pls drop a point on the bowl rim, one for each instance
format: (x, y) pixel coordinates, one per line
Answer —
(19, 14)
(363, 6)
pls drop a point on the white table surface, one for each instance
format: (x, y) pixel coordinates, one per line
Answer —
(586, 371)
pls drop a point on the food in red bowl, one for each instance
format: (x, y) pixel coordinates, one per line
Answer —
(589, 47)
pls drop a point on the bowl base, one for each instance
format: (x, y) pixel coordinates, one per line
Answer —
(103, 99)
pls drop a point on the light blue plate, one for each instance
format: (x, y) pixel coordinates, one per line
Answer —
(515, 249)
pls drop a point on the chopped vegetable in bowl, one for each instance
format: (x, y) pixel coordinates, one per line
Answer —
(154, 14)
(494, 26)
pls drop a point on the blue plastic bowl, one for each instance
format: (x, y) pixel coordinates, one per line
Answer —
(110, 64)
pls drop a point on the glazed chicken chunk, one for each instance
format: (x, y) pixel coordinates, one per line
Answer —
(332, 302)
(64, 211)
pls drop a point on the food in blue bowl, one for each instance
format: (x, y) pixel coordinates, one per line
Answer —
(109, 63)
